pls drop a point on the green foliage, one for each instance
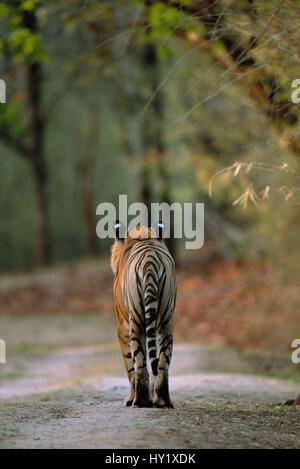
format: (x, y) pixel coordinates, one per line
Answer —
(4, 11)
(163, 19)
(29, 4)
(11, 118)
(19, 41)
(218, 49)
(22, 43)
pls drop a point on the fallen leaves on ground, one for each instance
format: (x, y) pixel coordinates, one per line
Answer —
(220, 302)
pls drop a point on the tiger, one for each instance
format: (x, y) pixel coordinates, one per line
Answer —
(144, 297)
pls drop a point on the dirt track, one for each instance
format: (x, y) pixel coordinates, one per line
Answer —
(71, 397)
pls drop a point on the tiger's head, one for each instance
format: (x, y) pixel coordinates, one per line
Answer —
(125, 239)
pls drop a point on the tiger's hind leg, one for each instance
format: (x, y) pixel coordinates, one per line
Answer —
(123, 334)
(161, 374)
(141, 377)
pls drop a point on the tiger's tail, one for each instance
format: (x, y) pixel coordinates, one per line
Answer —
(150, 278)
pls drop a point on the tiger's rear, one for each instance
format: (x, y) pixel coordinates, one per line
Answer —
(145, 295)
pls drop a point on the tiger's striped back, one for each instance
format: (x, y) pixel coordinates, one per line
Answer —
(150, 293)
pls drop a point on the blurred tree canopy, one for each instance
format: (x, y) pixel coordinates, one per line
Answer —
(161, 100)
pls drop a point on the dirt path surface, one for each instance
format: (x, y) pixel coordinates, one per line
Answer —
(58, 396)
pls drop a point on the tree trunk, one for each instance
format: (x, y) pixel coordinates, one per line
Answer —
(146, 182)
(147, 138)
(86, 170)
(43, 245)
(153, 134)
(165, 196)
(36, 154)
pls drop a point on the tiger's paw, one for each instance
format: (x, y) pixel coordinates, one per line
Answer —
(128, 401)
(163, 404)
(142, 403)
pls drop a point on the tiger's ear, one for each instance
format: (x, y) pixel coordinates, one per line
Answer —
(120, 231)
(159, 229)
